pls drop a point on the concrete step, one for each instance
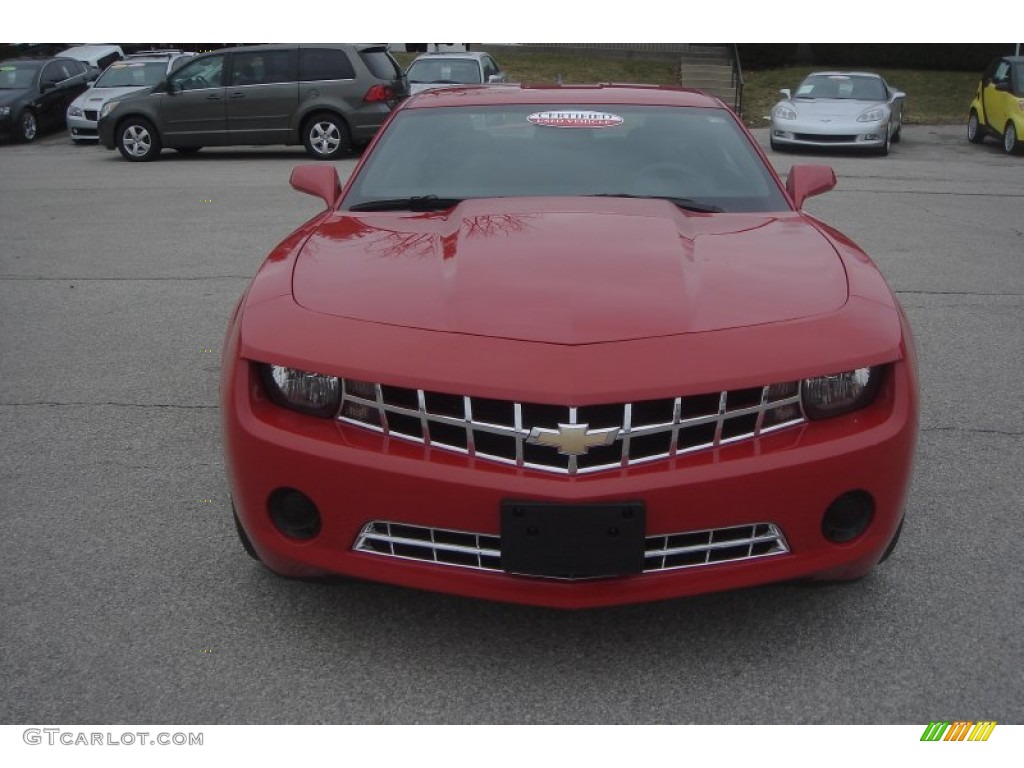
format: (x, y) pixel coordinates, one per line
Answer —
(705, 70)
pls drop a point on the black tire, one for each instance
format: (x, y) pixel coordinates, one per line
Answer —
(242, 536)
(26, 129)
(898, 135)
(884, 149)
(975, 132)
(187, 150)
(326, 136)
(137, 140)
(892, 544)
(1011, 141)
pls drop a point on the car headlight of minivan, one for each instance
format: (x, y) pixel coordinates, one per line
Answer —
(826, 396)
(107, 108)
(312, 393)
(785, 112)
(75, 112)
(873, 115)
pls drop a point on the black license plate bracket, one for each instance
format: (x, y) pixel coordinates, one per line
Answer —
(572, 541)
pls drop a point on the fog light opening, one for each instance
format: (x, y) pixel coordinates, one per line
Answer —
(848, 516)
(294, 513)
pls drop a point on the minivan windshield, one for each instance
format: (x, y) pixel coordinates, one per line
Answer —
(128, 74)
(434, 157)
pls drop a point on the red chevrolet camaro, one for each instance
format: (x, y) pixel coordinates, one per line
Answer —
(573, 347)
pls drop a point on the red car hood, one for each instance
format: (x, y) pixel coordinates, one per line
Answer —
(569, 271)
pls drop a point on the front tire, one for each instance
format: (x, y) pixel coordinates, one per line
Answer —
(137, 140)
(884, 149)
(326, 136)
(27, 128)
(975, 134)
(1011, 142)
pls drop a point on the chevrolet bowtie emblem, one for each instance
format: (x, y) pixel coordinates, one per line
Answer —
(572, 439)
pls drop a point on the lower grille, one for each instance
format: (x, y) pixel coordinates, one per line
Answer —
(690, 549)
(824, 138)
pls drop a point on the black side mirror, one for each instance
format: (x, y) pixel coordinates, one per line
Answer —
(1003, 85)
(47, 85)
(168, 86)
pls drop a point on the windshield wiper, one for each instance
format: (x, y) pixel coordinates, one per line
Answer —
(685, 203)
(420, 203)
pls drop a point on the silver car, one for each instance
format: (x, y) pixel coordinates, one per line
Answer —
(437, 70)
(137, 71)
(839, 109)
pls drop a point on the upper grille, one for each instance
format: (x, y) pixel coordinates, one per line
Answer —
(91, 114)
(570, 440)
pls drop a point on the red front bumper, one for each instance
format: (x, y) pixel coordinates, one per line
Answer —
(788, 478)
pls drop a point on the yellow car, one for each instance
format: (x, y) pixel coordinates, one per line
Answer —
(998, 104)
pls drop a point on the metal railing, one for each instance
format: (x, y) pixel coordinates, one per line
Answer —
(737, 78)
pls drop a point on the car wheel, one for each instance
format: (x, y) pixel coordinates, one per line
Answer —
(27, 128)
(975, 134)
(892, 544)
(242, 535)
(1011, 143)
(137, 140)
(187, 150)
(898, 134)
(884, 149)
(776, 147)
(326, 136)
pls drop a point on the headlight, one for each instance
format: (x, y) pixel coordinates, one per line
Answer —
(827, 396)
(312, 393)
(107, 108)
(5, 111)
(873, 115)
(75, 112)
(785, 112)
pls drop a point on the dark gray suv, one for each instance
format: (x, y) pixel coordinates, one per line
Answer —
(329, 97)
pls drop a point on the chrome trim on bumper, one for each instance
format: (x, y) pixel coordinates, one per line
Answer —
(482, 552)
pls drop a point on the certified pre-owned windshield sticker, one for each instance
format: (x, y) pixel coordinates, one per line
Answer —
(575, 119)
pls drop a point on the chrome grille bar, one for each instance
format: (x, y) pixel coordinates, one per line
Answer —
(500, 431)
(667, 552)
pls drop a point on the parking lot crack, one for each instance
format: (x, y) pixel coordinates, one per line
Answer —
(109, 403)
(976, 430)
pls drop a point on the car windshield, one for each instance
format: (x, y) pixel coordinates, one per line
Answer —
(127, 74)
(1018, 78)
(856, 87)
(697, 157)
(444, 71)
(17, 76)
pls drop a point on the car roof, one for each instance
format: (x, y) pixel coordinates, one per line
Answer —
(40, 61)
(590, 95)
(87, 50)
(836, 72)
(474, 55)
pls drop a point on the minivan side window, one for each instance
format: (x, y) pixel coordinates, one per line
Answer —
(380, 63)
(202, 73)
(324, 64)
(261, 68)
(105, 61)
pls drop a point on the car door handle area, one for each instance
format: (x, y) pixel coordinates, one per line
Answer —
(213, 97)
(237, 96)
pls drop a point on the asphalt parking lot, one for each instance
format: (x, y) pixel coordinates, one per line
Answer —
(126, 597)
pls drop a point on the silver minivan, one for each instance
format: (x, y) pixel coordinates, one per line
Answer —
(329, 97)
